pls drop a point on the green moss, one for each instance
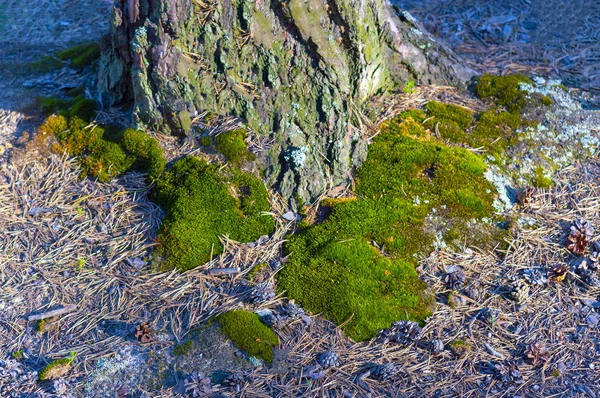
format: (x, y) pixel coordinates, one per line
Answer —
(539, 179)
(203, 203)
(81, 55)
(18, 355)
(183, 348)
(149, 156)
(79, 106)
(449, 113)
(232, 144)
(41, 326)
(57, 368)
(546, 100)
(102, 153)
(205, 141)
(505, 90)
(246, 330)
(416, 114)
(335, 270)
(256, 270)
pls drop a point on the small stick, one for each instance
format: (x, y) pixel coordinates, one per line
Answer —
(52, 313)
(492, 351)
(224, 271)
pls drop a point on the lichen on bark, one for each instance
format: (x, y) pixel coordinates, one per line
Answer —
(295, 70)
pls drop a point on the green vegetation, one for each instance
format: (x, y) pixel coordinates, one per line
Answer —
(505, 90)
(81, 55)
(183, 348)
(493, 131)
(246, 330)
(334, 269)
(547, 100)
(78, 57)
(57, 368)
(539, 179)
(78, 106)
(40, 327)
(103, 152)
(145, 149)
(203, 203)
(18, 355)
(233, 146)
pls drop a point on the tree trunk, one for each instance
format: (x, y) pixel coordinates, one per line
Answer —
(293, 70)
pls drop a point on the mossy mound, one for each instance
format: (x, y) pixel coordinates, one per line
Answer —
(233, 146)
(104, 153)
(334, 268)
(78, 106)
(78, 57)
(56, 369)
(202, 203)
(246, 330)
(505, 90)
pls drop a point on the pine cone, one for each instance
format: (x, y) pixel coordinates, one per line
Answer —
(436, 346)
(525, 196)
(328, 359)
(144, 332)
(401, 332)
(275, 321)
(235, 381)
(455, 278)
(384, 372)
(508, 372)
(535, 276)
(579, 238)
(559, 272)
(262, 292)
(520, 291)
(198, 385)
(537, 353)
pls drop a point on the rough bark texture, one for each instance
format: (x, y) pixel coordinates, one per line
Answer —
(294, 70)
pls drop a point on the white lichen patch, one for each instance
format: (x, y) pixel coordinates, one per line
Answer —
(506, 193)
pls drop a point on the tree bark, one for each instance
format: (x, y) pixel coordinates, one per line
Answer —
(293, 70)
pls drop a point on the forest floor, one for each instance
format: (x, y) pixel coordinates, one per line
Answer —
(65, 240)
(552, 38)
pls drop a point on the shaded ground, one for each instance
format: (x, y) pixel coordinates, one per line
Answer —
(553, 37)
(28, 32)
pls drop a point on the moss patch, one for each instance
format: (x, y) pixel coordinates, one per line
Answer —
(78, 57)
(203, 203)
(539, 179)
(183, 348)
(246, 330)
(505, 90)
(103, 153)
(78, 106)
(334, 268)
(57, 368)
(233, 146)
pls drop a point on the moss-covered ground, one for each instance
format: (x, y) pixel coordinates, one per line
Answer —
(246, 330)
(77, 57)
(202, 203)
(335, 267)
(357, 267)
(104, 152)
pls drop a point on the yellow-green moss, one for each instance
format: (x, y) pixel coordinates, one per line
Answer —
(335, 270)
(18, 355)
(205, 141)
(57, 368)
(81, 55)
(203, 203)
(233, 146)
(149, 156)
(539, 179)
(183, 348)
(103, 153)
(546, 100)
(248, 333)
(505, 90)
(79, 106)
(41, 326)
